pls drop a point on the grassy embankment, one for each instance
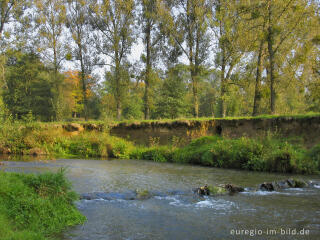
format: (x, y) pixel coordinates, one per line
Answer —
(36, 207)
(265, 154)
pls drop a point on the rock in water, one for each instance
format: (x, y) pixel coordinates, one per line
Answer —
(214, 190)
(109, 196)
(291, 182)
(267, 187)
(233, 189)
(282, 184)
(203, 191)
(295, 183)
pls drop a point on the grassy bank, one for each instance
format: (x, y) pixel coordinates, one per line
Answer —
(35, 207)
(42, 139)
(267, 153)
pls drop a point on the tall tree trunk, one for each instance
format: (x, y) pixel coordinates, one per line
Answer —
(271, 59)
(3, 70)
(222, 103)
(192, 60)
(257, 91)
(57, 101)
(223, 84)
(147, 77)
(118, 89)
(119, 109)
(194, 75)
(83, 77)
(84, 92)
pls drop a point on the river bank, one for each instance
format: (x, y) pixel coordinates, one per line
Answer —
(36, 207)
(270, 152)
(306, 128)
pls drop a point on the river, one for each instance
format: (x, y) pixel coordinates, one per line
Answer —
(174, 212)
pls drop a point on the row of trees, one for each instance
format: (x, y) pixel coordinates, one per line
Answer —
(200, 58)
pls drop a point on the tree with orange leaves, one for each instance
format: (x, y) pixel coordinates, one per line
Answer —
(73, 94)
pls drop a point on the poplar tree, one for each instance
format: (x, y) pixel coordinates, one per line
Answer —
(50, 19)
(152, 37)
(284, 22)
(114, 20)
(232, 43)
(79, 25)
(186, 24)
(10, 10)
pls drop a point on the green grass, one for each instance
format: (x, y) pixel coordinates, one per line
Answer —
(314, 155)
(268, 154)
(36, 207)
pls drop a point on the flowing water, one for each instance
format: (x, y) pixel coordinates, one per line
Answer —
(174, 212)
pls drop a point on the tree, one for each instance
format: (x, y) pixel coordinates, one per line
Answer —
(186, 23)
(230, 30)
(10, 10)
(172, 100)
(152, 37)
(72, 92)
(254, 17)
(284, 21)
(209, 97)
(28, 87)
(114, 20)
(50, 19)
(78, 23)
(117, 82)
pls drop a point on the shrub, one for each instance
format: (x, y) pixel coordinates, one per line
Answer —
(314, 155)
(157, 154)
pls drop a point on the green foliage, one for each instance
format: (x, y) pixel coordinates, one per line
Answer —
(133, 107)
(36, 207)
(268, 154)
(156, 154)
(28, 87)
(172, 100)
(314, 155)
(284, 34)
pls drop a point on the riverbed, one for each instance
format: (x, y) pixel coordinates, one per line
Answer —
(174, 211)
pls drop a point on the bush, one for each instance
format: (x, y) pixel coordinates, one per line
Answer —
(157, 154)
(314, 155)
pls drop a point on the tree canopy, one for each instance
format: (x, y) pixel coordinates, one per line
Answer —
(135, 59)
